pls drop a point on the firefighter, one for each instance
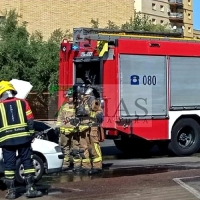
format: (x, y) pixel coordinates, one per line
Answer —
(16, 127)
(96, 134)
(81, 121)
(66, 130)
(90, 116)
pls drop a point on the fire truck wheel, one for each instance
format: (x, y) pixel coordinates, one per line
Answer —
(133, 147)
(185, 137)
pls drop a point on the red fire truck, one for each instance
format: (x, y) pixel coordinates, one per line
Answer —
(149, 86)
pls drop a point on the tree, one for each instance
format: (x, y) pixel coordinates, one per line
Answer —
(139, 22)
(58, 35)
(14, 48)
(45, 70)
(112, 25)
(29, 57)
(142, 22)
(95, 23)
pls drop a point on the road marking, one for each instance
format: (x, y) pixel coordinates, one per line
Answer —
(78, 190)
(187, 187)
(64, 188)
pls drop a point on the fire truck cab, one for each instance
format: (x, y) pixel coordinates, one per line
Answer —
(149, 86)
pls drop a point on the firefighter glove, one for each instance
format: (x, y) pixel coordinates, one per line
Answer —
(99, 117)
(57, 131)
(74, 121)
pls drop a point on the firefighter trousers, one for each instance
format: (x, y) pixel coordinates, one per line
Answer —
(9, 155)
(94, 148)
(65, 142)
(85, 155)
(76, 152)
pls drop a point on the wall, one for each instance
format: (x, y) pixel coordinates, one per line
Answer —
(44, 107)
(157, 10)
(188, 18)
(196, 34)
(48, 15)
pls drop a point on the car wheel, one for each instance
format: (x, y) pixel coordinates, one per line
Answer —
(39, 169)
(185, 139)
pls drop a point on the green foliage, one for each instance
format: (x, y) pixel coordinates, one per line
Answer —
(139, 22)
(29, 57)
(95, 23)
(46, 53)
(112, 25)
(58, 35)
(14, 48)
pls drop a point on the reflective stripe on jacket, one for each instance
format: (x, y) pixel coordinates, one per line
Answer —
(84, 125)
(14, 129)
(67, 112)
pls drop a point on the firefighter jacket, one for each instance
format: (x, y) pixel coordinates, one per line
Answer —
(96, 113)
(66, 113)
(16, 122)
(84, 122)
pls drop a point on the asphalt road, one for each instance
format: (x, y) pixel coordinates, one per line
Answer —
(154, 177)
(161, 185)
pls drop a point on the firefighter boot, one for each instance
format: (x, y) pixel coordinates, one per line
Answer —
(31, 191)
(94, 171)
(11, 193)
(80, 170)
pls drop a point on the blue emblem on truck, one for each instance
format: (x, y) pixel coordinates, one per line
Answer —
(135, 80)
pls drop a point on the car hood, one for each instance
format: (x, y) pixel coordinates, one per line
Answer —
(44, 146)
(39, 145)
(22, 87)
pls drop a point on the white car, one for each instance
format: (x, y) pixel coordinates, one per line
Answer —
(48, 158)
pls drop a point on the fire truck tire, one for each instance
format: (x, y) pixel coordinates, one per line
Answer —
(133, 147)
(185, 139)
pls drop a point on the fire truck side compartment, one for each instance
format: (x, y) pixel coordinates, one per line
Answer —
(147, 96)
(185, 82)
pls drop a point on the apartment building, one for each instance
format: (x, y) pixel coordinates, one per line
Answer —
(196, 34)
(178, 14)
(48, 15)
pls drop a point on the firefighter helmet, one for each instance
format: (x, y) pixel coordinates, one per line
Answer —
(6, 86)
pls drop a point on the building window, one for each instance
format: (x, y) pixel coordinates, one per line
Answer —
(189, 16)
(153, 6)
(161, 22)
(154, 21)
(162, 8)
(189, 30)
(189, 2)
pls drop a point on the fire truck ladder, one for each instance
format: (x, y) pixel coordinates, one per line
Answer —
(87, 34)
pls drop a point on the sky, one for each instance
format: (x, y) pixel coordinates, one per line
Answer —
(196, 9)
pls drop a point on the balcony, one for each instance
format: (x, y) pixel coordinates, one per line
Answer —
(177, 3)
(176, 16)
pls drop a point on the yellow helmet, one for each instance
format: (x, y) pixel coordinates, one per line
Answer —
(5, 86)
